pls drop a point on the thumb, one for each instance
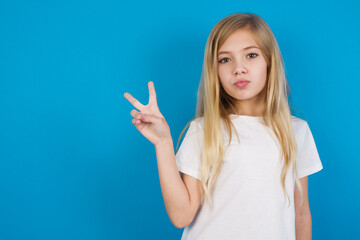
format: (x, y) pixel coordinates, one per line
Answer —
(149, 118)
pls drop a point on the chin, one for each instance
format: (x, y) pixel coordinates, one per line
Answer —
(242, 97)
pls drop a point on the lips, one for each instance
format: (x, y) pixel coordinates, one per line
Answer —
(241, 80)
(242, 83)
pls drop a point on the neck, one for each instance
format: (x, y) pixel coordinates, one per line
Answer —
(251, 107)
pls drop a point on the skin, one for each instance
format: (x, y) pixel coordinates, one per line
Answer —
(149, 120)
(247, 64)
(240, 63)
(303, 223)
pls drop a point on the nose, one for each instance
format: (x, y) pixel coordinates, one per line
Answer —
(239, 68)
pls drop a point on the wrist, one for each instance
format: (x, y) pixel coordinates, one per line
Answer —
(164, 143)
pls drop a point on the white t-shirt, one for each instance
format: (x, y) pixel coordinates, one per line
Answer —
(248, 201)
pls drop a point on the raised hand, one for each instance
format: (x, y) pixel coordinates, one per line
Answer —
(149, 121)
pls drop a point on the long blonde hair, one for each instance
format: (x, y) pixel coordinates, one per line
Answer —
(214, 104)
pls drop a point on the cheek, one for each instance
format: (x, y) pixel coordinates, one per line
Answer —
(223, 72)
(220, 70)
(263, 72)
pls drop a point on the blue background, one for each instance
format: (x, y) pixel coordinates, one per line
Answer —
(72, 165)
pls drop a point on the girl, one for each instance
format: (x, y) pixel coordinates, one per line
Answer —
(251, 187)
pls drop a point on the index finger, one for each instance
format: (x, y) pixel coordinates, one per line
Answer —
(133, 101)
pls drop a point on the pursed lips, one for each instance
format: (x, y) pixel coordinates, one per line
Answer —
(241, 81)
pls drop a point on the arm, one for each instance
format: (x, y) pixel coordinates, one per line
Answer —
(175, 193)
(152, 124)
(303, 224)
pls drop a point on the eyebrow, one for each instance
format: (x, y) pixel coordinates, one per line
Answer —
(243, 49)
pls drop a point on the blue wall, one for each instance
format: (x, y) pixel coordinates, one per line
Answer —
(72, 165)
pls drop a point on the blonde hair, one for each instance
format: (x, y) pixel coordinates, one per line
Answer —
(214, 104)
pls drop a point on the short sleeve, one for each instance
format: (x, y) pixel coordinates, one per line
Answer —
(188, 156)
(308, 161)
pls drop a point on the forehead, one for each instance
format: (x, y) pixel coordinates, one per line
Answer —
(238, 40)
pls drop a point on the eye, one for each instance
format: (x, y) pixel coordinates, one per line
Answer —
(253, 54)
(222, 60)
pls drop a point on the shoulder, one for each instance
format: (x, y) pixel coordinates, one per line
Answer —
(301, 131)
(197, 123)
(196, 126)
(300, 126)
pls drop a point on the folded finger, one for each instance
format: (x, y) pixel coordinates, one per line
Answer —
(134, 113)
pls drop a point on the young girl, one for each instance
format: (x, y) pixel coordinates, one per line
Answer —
(255, 185)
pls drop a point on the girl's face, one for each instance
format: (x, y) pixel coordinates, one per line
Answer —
(240, 59)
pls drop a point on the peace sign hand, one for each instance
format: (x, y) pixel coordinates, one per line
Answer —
(149, 121)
